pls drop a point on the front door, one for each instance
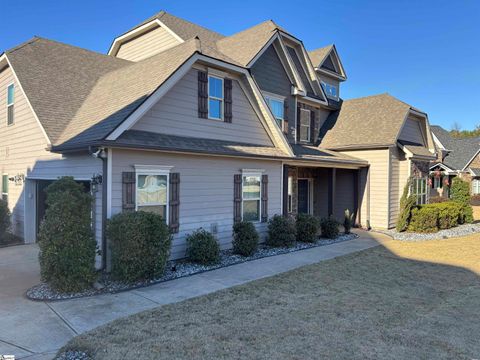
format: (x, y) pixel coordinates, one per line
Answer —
(303, 196)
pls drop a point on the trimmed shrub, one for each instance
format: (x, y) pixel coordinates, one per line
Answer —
(281, 231)
(4, 218)
(460, 193)
(437, 199)
(140, 243)
(450, 214)
(202, 248)
(407, 204)
(348, 221)
(424, 219)
(66, 241)
(245, 238)
(330, 228)
(307, 228)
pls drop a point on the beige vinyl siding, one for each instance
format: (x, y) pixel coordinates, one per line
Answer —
(206, 190)
(399, 172)
(177, 114)
(344, 193)
(379, 160)
(23, 151)
(412, 131)
(148, 44)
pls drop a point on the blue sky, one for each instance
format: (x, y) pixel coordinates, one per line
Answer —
(424, 52)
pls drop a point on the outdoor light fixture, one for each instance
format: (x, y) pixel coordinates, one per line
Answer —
(18, 179)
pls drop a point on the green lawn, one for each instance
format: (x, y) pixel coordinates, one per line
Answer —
(368, 305)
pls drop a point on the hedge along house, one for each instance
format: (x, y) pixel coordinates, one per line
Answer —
(185, 122)
(456, 157)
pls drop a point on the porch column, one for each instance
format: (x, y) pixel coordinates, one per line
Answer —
(332, 179)
(285, 191)
(356, 195)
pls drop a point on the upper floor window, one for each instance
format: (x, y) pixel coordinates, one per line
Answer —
(305, 122)
(10, 103)
(5, 187)
(277, 108)
(215, 97)
(330, 90)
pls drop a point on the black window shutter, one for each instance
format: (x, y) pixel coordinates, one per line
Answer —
(174, 203)
(298, 123)
(227, 115)
(264, 198)
(312, 126)
(285, 116)
(202, 94)
(128, 191)
(237, 198)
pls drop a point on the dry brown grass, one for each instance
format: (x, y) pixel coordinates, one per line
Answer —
(400, 301)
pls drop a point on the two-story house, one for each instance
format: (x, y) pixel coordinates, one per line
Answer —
(204, 129)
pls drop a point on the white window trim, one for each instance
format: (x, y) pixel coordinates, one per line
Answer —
(154, 170)
(290, 194)
(268, 97)
(476, 186)
(309, 126)
(332, 85)
(12, 104)
(421, 194)
(222, 99)
(259, 175)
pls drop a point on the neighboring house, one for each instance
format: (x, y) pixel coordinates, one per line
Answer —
(456, 157)
(204, 129)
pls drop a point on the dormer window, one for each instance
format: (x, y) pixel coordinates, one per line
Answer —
(330, 90)
(276, 105)
(10, 104)
(215, 98)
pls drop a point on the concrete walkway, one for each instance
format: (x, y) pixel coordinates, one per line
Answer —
(36, 330)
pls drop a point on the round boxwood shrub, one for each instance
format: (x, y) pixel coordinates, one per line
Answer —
(460, 193)
(449, 214)
(202, 248)
(66, 241)
(4, 219)
(140, 244)
(329, 228)
(245, 238)
(281, 231)
(307, 228)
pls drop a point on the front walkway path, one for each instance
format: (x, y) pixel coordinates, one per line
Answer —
(36, 330)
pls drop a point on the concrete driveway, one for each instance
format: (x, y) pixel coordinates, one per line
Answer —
(36, 330)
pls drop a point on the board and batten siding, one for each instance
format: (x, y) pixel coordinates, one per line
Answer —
(379, 160)
(206, 190)
(23, 151)
(148, 44)
(176, 113)
(412, 131)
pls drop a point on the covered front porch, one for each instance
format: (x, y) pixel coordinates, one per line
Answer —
(323, 191)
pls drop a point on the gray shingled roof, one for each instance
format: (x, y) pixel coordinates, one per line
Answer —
(416, 149)
(310, 152)
(57, 79)
(462, 150)
(318, 55)
(364, 122)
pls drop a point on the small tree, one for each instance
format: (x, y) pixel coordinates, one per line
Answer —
(460, 193)
(407, 204)
(67, 244)
(4, 219)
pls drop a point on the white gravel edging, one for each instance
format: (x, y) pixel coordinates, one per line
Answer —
(175, 270)
(461, 230)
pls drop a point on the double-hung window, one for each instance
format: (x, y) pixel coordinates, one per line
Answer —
(330, 90)
(215, 97)
(277, 108)
(152, 191)
(290, 195)
(251, 196)
(5, 187)
(476, 186)
(419, 189)
(305, 119)
(10, 104)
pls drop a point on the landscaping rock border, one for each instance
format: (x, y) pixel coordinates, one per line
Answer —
(175, 269)
(461, 230)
